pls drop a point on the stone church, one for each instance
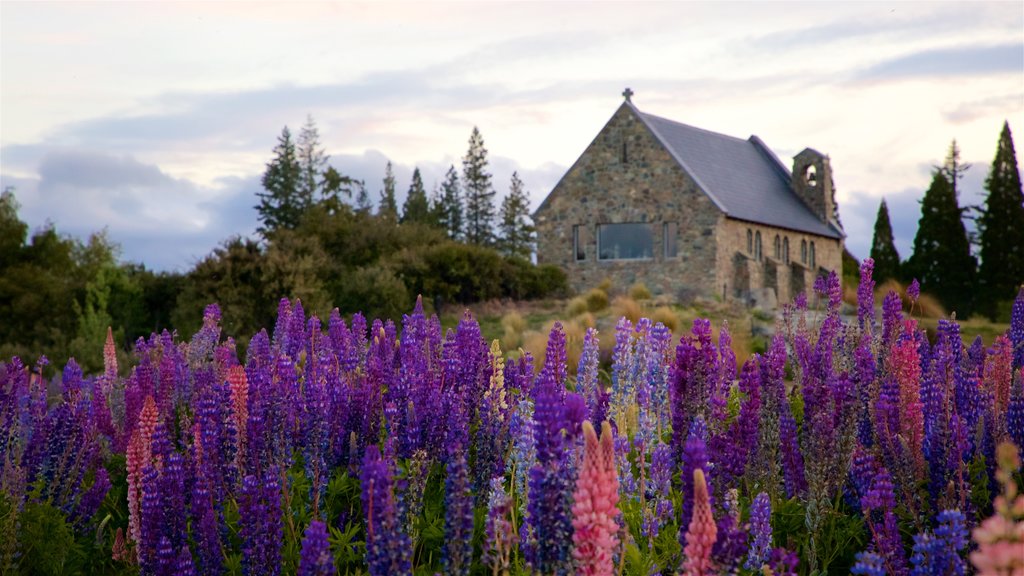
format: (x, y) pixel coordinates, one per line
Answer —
(687, 211)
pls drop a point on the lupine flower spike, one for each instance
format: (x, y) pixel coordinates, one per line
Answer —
(702, 533)
(595, 510)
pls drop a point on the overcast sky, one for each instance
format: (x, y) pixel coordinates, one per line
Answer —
(155, 119)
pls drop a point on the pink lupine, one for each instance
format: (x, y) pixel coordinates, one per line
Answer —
(239, 386)
(999, 373)
(1000, 538)
(139, 455)
(110, 357)
(594, 510)
(702, 533)
(905, 364)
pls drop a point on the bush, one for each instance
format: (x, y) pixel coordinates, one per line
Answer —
(666, 316)
(597, 299)
(577, 306)
(376, 291)
(639, 291)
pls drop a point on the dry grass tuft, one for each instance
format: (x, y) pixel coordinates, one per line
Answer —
(576, 306)
(597, 299)
(668, 317)
(927, 306)
(626, 306)
(639, 292)
(513, 325)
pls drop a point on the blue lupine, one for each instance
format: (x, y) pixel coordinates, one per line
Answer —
(316, 558)
(760, 531)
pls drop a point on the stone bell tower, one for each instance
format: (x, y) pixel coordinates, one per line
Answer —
(812, 182)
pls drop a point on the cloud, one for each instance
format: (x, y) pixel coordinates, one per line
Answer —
(167, 223)
(965, 112)
(952, 61)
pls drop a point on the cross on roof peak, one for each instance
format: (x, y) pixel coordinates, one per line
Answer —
(628, 94)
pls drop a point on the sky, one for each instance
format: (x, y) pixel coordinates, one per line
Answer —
(154, 120)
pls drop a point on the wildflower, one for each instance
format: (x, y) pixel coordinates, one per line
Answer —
(866, 295)
(316, 558)
(388, 548)
(1000, 537)
(499, 537)
(259, 503)
(594, 508)
(914, 290)
(702, 532)
(137, 458)
(761, 531)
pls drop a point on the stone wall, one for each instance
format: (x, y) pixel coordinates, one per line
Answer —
(789, 278)
(645, 186)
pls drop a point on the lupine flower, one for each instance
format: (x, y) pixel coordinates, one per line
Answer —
(998, 373)
(238, 384)
(499, 537)
(1001, 536)
(316, 558)
(183, 563)
(914, 290)
(388, 548)
(695, 456)
(137, 458)
(702, 531)
(259, 503)
(457, 552)
(866, 295)
(1017, 330)
(869, 564)
(594, 505)
(761, 532)
(938, 554)
(586, 376)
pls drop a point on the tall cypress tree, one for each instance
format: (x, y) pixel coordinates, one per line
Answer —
(942, 259)
(416, 208)
(479, 193)
(388, 209)
(883, 249)
(516, 230)
(1001, 228)
(280, 204)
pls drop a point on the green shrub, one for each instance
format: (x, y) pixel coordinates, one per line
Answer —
(597, 299)
(639, 292)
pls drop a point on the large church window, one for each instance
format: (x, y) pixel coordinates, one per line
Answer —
(631, 241)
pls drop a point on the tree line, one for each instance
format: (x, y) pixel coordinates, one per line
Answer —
(968, 272)
(319, 239)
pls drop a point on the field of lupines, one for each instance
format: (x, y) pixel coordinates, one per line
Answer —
(364, 448)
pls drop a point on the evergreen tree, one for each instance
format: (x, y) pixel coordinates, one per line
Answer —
(388, 208)
(281, 204)
(479, 193)
(416, 207)
(448, 204)
(312, 163)
(1001, 228)
(883, 249)
(953, 169)
(516, 231)
(942, 259)
(363, 204)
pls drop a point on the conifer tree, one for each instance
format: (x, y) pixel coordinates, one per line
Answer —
(388, 209)
(516, 231)
(280, 204)
(363, 204)
(416, 208)
(479, 193)
(448, 204)
(312, 161)
(942, 259)
(883, 249)
(1001, 228)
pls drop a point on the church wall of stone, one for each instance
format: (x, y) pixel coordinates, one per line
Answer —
(646, 186)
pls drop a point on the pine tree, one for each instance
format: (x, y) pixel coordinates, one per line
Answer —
(883, 249)
(516, 231)
(281, 205)
(942, 259)
(1001, 228)
(416, 207)
(388, 209)
(363, 204)
(312, 163)
(448, 204)
(478, 192)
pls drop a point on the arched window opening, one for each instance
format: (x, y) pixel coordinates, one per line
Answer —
(803, 251)
(750, 241)
(757, 247)
(778, 248)
(785, 250)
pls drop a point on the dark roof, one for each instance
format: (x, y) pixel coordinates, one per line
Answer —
(742, 177)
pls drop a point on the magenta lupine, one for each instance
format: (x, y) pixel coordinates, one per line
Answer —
(702, 531)
(316, 558)
(139, 455)
(595, 505)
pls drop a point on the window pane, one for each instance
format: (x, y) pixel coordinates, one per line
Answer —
(577, 243)
(670, 231)
(624, 241)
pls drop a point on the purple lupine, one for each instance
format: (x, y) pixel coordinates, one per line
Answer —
(316, 558)
(206, 523)
(694, 377)
(183, 563)
(940, 553)
(314, 425)
(1017, 329)
(499, 537)
(1015, 413)
(93, 498)
(694, 456)
(388, 547)
(623, 392)
(587, 382)
(731, 544)
(866, 295)
(879, 504)
(152, 522)
(760, 532)
(892, 317)
(792, 458)
(457, 552)
(259, 503)
(869, 564)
